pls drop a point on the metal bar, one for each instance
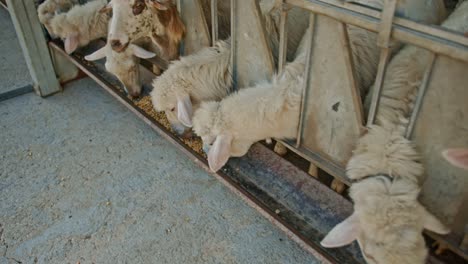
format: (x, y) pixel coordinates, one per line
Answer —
(33, 43)
(234, 44)
(283, 45)
(182, 44)
(430, 29)
(420, 97)
(307, 77)
(379, 80)
(214, 21)
(355, 91)
(385, 27)
(435, 43)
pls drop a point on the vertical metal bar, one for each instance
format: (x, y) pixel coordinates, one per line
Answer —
(181, 45)
(384, 57)
(355, 91)
(234, 43)
(283, 45)
(34, 45)
(307, 77)
(383, 41)
(419, 99)
(214, 21)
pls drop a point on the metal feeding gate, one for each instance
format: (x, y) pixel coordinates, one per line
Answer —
(331, 118)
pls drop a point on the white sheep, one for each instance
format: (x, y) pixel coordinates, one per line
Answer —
(81, 24)
(206, 75)
(203, 76)
(388, 220)
(49, 8)
(264, 111)
(124, 65)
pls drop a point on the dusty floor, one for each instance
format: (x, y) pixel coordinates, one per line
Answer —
(83, 181)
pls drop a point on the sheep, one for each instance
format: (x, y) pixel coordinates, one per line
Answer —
(388, 219)
(135, 19)
(156, 21)
(49, 8)
(124, 65)
(206, 75)
(212, 63)
(267, 110)
(458, 157)
(387, 171)
(81, 24)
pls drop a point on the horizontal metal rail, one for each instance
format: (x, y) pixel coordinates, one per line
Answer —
(437, 40)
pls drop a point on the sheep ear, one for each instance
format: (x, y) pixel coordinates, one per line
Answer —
(457, 157)
(342, 234)
(97, 55)
(184, 110)
(220, 152)
(433, 224)
(71, 43)
(141, 52)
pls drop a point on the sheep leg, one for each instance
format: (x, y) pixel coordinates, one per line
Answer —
(313, 170)
(338, 186)
(280, 149)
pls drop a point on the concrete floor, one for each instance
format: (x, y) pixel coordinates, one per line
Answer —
(83, 181)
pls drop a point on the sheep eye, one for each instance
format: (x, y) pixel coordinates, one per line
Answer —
(173, 109)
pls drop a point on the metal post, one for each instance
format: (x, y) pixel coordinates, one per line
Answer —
(233, 44)
(283, 45)
(305, 89)
(34, 45)
(383, 41)
(419, 99)
(214, 21)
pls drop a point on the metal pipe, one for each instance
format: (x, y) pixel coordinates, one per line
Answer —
(307, 77)
(420, 97)
(214, 21)
(234, 44)
(379, 80)
(435, 43)
(283, 45)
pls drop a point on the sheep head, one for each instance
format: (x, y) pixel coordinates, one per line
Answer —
(169, 95)
(388, 220)
(219, 141)
(125, 66)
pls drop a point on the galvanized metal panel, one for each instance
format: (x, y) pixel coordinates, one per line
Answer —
(33, 43)
(443, 123)
(333, 119)
(197, 33)
(251, 53)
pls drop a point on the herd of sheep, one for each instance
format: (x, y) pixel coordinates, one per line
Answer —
(195, 92)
